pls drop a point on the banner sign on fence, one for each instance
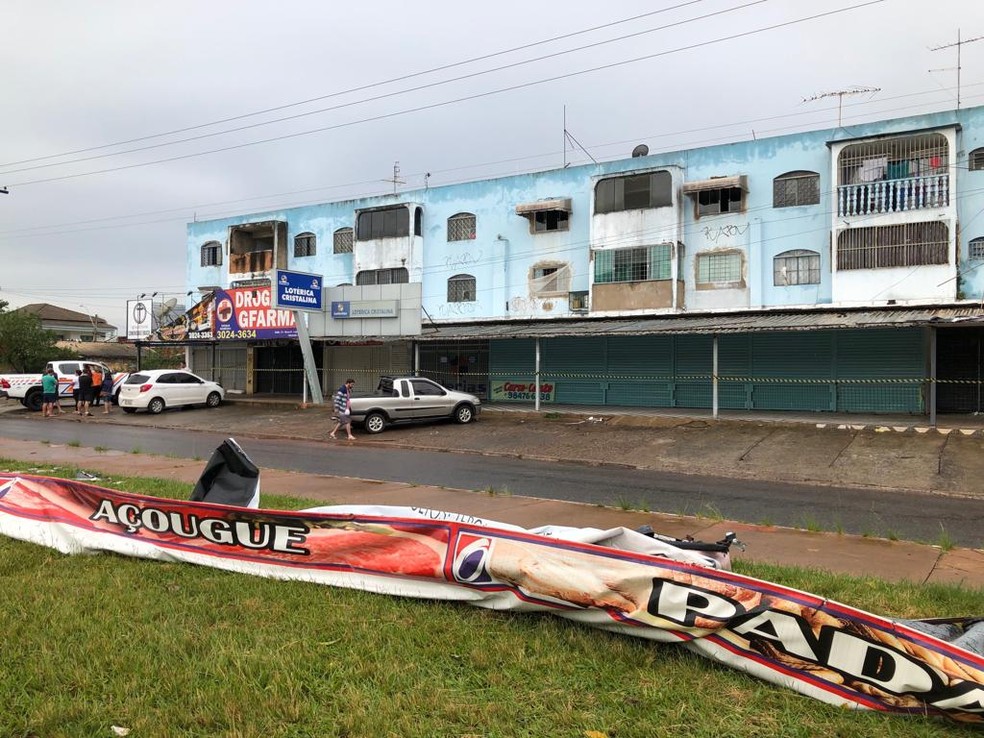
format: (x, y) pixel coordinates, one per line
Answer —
(521, 390)
(821, 648)
(244, 313)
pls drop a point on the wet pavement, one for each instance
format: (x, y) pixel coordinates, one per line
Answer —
(886, 453)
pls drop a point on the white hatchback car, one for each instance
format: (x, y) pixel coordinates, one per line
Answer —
(156, 389)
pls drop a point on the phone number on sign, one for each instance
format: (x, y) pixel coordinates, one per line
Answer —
(235, 334)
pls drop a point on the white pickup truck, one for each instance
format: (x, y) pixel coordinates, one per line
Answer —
(27, 387)
(412, 400)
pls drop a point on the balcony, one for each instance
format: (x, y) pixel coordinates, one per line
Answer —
(894, 195)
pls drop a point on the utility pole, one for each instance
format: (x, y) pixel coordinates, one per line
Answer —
(839, 94)
(396, 176)
(959, 44)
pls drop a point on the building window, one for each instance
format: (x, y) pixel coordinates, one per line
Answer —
(342, 241)
(399, 275)
(461, 288)
(305, 244)
(904, 245)
(578, 301)
(385, 223)
(550, 220)
(796, 188)
(975, 249)
(461, 227)
(975, 161)
(634, 192)
(725, 200)
(212, 254)
(719, 269)
(798, 266)
(641, 264)
(418, 221)
(550, 279)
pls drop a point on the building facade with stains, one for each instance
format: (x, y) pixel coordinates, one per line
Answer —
(828, 270)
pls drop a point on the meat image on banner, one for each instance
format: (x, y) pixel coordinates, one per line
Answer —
(248, 313)
(617, 580)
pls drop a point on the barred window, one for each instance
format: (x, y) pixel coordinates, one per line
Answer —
(399, 275)
(641, 264)
(342, 241)
(461, 227)
(893, 158)
(212, 254)
(975, 161)
(722, 268)
(795, 188)
(550, 220)
(461, 288)
(634, 192)
(904, 245)
(975, 249)
(305, 244)
(798, 266)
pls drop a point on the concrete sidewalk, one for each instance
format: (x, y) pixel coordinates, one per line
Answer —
(856, 555)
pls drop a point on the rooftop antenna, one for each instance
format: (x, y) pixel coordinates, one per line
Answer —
(396, 177)
(568, 136)
(959, 44)
(839, 94)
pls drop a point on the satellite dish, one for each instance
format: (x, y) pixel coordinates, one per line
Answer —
(165, 307)
(640, 150)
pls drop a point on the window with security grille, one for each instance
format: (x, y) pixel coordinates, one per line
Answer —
(975, 161)
(975, 249)
(305, 244)
(399, 275)
(796, 188)
(461, 227)
(578, 301)
(212, 254)
(640, 264)
(634, 192)
(798, 266)
(903, 245)
(719, 269)
(461, 288)
(894, 158)
(550, 220)
(342, 241)
(383, 223)
(725, 200)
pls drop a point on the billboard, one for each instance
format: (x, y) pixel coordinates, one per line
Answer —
(298, 291)
(139, 319)
(247, 313)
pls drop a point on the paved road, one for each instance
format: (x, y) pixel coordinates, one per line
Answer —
(908, 516)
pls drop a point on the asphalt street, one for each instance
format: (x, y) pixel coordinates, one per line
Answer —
(884, 513)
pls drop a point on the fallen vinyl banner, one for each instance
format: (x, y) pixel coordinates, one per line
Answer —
(606, 579)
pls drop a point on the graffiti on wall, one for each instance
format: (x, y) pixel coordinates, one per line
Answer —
(728, 231)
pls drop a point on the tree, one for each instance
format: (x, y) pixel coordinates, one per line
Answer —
(24, 344)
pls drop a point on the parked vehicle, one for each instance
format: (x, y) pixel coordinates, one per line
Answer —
(27, 387)
(412, 400)
(158, 389)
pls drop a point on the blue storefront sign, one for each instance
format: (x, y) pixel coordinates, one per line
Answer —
(298, 290)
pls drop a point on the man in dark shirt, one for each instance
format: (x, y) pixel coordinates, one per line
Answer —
(85, 390)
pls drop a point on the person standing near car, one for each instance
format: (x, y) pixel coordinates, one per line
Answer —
(85, 391)
(76, 395)
(343, 409)
(107, 391)
(97, 381)
(49, 393)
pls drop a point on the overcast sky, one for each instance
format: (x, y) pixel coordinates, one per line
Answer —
(91, 220)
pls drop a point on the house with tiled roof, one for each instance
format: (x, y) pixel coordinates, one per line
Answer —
(70, 325)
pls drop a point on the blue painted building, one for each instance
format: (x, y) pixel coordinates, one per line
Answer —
(827, 270)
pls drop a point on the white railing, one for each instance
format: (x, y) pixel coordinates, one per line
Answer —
(894, 195)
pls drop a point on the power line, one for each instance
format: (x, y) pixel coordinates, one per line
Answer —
(466, 98)
(362, 88)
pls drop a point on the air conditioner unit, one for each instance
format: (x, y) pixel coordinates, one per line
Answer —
(578, 301)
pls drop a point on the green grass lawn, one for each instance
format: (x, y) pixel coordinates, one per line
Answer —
(91, 642)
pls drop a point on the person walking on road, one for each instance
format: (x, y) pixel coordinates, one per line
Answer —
(343, 409)
(49, 393)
